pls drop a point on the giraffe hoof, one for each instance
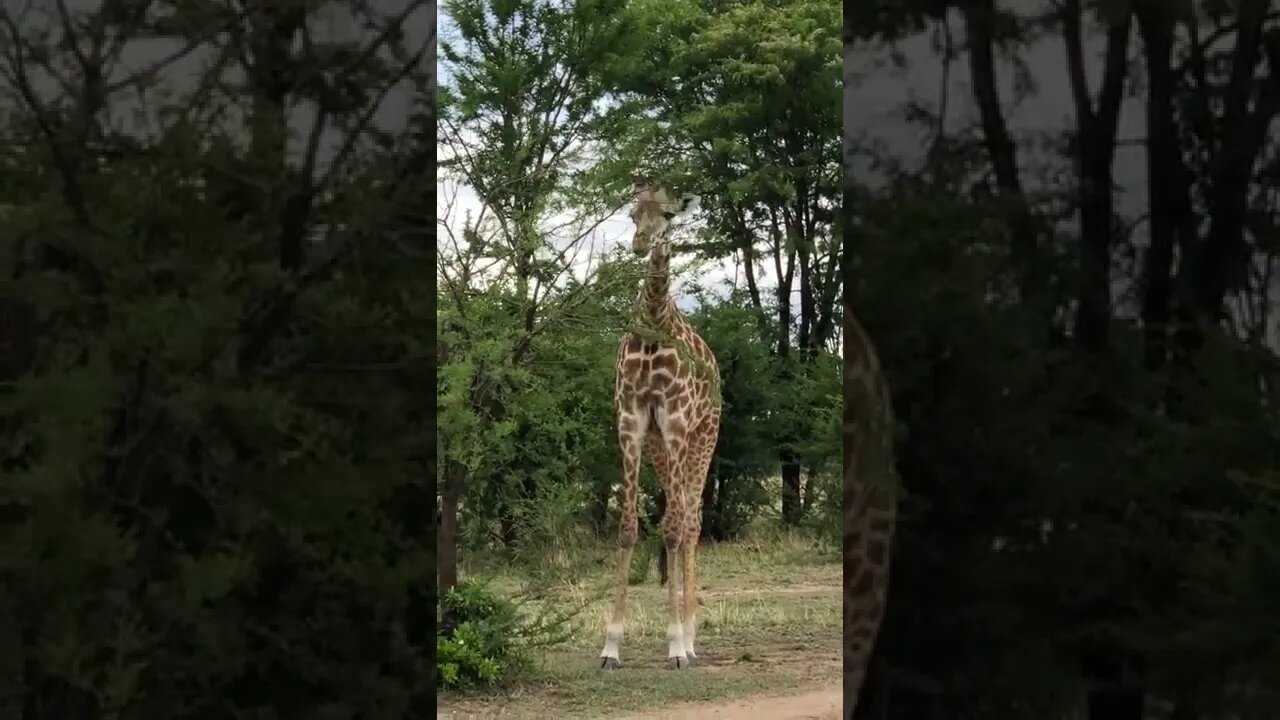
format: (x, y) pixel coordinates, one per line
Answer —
(679, 663)
(692, 660)
(610, 663)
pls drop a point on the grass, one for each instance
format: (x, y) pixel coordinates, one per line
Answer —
(769, 621)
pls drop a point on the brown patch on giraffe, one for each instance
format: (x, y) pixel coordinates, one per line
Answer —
(666, 361)
(869, 502)
(876, 552)
(863, 586)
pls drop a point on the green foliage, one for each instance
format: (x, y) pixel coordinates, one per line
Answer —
(1154, 523)
(462, 662)
(487, 638)
(211, 461)
(481, 648)
(526, 385)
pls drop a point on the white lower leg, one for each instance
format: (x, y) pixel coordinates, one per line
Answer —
(675, 640)
(613, 630)
(690, 629)
(612, 641)
(675, 628)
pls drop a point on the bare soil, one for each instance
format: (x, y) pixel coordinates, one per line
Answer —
(815, 704)
(769, 648)
(791, 680)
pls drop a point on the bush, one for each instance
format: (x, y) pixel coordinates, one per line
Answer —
(480, 641)
(462, 662)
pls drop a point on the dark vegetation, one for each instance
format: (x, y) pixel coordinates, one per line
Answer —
(1087, 395)
(214, 418)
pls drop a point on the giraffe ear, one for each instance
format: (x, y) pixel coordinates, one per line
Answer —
(687, 204)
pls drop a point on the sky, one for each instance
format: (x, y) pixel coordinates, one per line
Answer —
(182, 76)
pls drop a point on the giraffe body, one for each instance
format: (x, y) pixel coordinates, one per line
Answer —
(667, 408)
(870, 503)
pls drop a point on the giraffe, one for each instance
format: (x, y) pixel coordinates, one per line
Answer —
(870, 502)
(667, 407)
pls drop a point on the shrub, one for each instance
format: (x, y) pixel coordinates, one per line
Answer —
(480, 642)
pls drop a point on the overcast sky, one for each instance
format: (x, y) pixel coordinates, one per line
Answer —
(180, 77)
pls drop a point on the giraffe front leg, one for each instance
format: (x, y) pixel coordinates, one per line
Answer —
(630, 437)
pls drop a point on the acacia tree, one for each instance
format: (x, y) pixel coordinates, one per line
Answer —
(523, 119)
(740, 101)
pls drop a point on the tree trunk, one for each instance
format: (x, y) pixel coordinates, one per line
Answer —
(1095, 152)
(1213, 268)
(447, 528)
(792, 511)
(806, 498)
(268, 45)
(1114, 693)
(980, 33)
(1168, 201)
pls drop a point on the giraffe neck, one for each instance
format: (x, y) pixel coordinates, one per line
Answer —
(659, 309)
(869, 500)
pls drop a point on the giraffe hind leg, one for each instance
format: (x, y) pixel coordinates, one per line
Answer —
(673, 530)
(657, 454)
(699, 466)
(669, 558)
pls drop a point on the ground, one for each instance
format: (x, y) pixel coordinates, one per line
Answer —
(768, 643)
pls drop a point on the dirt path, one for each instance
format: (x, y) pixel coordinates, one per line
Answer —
(815, 704)
(774, 655)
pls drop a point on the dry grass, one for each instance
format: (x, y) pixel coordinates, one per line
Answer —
(769, 621)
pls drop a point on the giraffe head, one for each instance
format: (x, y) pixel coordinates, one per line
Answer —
(654, 214)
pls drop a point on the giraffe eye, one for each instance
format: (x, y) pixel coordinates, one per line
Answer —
(668, 214)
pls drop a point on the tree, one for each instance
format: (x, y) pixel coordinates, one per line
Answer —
(1137, 479)
(520, 120)
(741, 101)
(211, 437)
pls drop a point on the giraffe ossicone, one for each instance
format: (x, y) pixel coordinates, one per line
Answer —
(667, 408)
